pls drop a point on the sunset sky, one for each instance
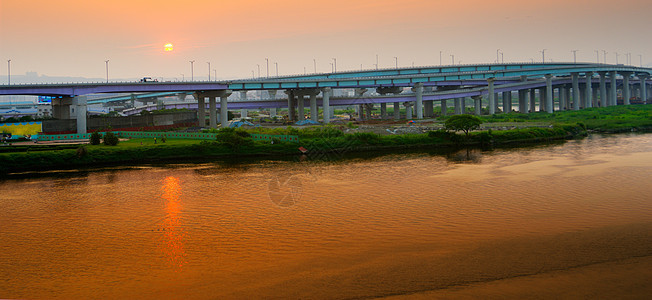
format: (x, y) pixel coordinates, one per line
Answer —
(74, 38)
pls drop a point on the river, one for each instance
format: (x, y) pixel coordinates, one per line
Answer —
(572, 218)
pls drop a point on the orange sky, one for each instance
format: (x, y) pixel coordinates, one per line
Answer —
(74, 38)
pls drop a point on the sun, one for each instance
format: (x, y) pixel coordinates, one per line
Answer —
(168, 47)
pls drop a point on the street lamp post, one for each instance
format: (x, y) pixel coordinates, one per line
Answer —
(267, 66)
(616, 53)
(8, 71)
(276, 64)
(334, 65)
(497, 51)
(502, 57)
(440, 52)
(604, 52)
(192, 70)
(209, 70)
(376, 61)
(640, 58)
(543, 55)
(597, 56)
(258, 70)
(574, 56)
(107, 70)
(215, 74)
(314, 64)
(453, 59)
(396, 60)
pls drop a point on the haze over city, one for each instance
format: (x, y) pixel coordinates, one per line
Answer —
(75, 38)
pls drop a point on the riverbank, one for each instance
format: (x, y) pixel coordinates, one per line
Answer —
(317, 142)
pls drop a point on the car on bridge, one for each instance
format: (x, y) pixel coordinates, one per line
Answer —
(148, 79)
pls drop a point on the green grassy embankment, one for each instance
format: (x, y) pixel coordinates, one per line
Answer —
(238, 143)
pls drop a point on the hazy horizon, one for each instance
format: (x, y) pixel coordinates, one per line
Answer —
(73, 38)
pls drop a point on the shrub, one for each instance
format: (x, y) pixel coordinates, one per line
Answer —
(233, 138)
(110, 139)
(95, 138)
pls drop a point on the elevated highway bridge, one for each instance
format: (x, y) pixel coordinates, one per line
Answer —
(577, 85)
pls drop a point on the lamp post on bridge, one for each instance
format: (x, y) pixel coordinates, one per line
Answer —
(8, 71)
(640, 58)
(314, 64)
(453, 59)
(396, 60)
(440, 57)
(209, 70)
(192, 70)
(543, 55)
(597, 56)
(107, 70)
(574, 56)
(616, 53)
(604, 52)
(497, 52)
(258, 70)
(376, 61)
(276, 64)
(334, 65)
(267, 66)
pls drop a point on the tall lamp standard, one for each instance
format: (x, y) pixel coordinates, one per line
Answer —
(276, 64)
(543, 55)
(107, 70)
(314, 64)
(8, 71)
(396, 61)
(334, 65)
(209, 70)
(453, 59)
(497, 52)
(597, 56)
(192, 70)
(574, 56)
(267, 65)
(604, 52)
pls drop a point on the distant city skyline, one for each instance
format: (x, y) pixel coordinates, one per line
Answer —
(74, 39)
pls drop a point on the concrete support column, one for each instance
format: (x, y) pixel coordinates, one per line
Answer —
(326, 103)
(301, 102)
(444, 107)
(408, 110)
(643, 88)
(458, 106)
(533, 100)
(549, 94)
(463, 105)
(61, 108)
(626, 88)
(428, 107)
(603, 90)
(507, 102)
(576, 91)
(368, 108)
(212, 111)
(201, 109)
(492, 96)
(383, 110)
(613, 92)
(588, 103)
(562, 98)
(292, 113)
(418, 90)
(79, 103)
(224, 110)
(397, 111)
(477, 102)
(595, 97)
(314, 110)
(522, 103)
(272, 95)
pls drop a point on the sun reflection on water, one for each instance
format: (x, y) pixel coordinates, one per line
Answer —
(174, 233)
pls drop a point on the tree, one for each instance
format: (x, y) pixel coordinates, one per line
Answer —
(464, 123)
